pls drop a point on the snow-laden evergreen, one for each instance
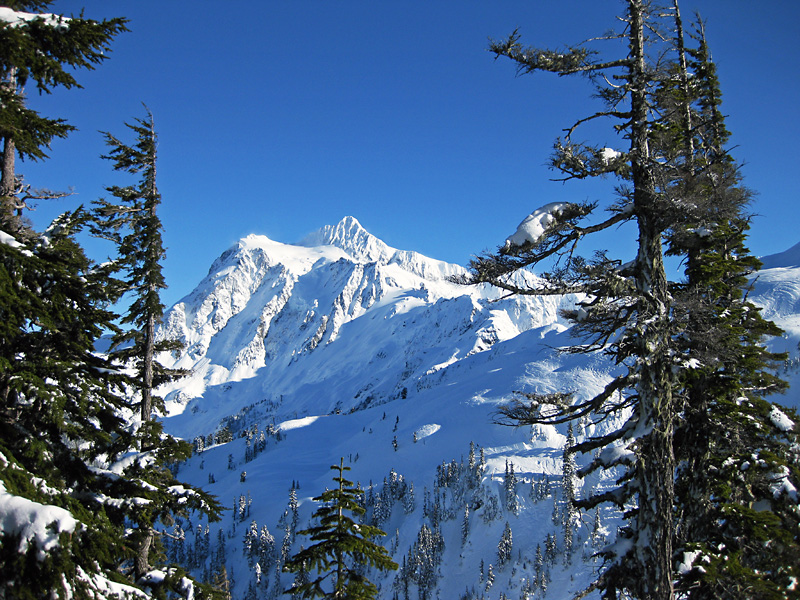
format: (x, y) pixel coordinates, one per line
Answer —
(338, 347)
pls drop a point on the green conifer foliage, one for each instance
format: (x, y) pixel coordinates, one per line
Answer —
(60, 419)
(78, 494)
(627, 308)
(732, 517)
(43, 50)
(694, 371)
(134, 225)
(342, 550)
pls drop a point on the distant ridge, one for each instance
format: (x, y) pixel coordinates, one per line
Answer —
(787, 258)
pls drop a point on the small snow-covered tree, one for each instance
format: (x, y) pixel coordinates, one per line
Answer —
(250, 542)
(465, 526)
(489, 577)
(510, 488)
(505, 547)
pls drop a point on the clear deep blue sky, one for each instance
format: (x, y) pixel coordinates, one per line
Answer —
(279, 117)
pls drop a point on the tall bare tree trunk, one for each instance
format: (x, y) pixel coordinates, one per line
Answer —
(655, 469)
(147, 384)
(8, 178)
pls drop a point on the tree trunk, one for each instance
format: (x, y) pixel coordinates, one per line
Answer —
(655, 469)
(340, 591)
(8, 178)
(142, 560)
(147, 383)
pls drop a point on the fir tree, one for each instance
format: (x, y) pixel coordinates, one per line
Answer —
(424, 558)
(134, 225)
(505, 546)
(510, 488)
(61, 424)
(60, 407)
(630, 310)
(465, 526)
(570, 514)
(489, 577)
(725, 420)
(342, 547)
(44, 50)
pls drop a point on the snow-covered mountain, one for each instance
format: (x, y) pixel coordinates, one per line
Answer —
(337, 323)
(341, 346)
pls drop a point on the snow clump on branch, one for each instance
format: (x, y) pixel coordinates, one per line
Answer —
(16, 18)
(535, 224)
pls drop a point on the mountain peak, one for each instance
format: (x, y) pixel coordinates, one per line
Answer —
(350, 236)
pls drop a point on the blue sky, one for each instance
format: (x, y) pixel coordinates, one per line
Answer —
(280, 117)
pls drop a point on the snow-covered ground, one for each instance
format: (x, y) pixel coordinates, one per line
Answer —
(344, 347)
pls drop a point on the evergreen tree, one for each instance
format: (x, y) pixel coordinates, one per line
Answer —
(342, 547)
(221, 583)
(489, 577)
(570, 514)
(538, 564)
(505, 547)
(134, 225)
(136, 228)
(510, 488)
(44, 50)
(67, 455)
(465, 525)
(630, 310)
(61, 424)
(726, 423)
(60, 412)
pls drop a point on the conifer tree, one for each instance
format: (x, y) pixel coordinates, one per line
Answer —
(569, 515)
(134, 225)
(59, 411)
(726, 421)
(342, 548)
(690, 351)
(65, 448)
(627, 309)
(505, 546)
(62, 425)
(44, 50)
(465, 525)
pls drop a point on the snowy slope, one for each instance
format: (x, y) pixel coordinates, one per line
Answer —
(776, 289)
(342, 346)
